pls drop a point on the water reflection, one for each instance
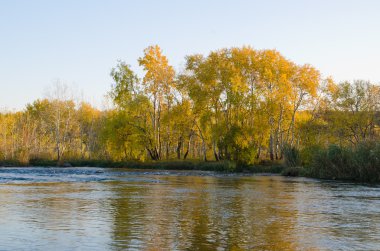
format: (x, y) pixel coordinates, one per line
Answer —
(185, 211)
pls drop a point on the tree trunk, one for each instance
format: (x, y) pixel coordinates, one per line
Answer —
(214, 149)
(188, 146)
(258, 153)
(179, 145)
(204, 150)
(271, 147)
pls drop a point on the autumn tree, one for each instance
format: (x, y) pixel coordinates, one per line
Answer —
(355, 111)
(237, 104)
(158, 84)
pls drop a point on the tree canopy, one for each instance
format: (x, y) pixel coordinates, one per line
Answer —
(237, 104)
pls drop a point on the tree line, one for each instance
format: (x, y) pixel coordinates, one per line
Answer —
(237, 104)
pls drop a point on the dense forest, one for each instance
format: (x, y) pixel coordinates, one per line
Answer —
(238, 104)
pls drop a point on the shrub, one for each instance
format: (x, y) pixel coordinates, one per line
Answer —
(293, 171)
(360, 163)
(291, 156)
(307, 154)
(367, 161)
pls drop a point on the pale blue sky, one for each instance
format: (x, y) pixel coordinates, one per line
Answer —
(79, 41)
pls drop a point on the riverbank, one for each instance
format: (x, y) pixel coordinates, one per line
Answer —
(360, 163)
(218, 166)
(342, 165)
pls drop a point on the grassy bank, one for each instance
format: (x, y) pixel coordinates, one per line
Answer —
(220, 166)
(360, 163)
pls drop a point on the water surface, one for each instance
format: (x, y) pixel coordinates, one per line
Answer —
(119, 209)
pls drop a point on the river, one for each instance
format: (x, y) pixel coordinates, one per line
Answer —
(120, 209)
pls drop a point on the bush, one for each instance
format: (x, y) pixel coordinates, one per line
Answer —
(361, 163)
(291, 156)
(307, 154)
(42, 162)
(367, 161)
(293, 171)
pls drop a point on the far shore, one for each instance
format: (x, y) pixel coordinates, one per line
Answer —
(218, 166)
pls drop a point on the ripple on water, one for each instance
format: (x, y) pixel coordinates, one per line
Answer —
(116, 209)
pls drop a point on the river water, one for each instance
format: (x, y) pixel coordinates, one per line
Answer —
(119, 209)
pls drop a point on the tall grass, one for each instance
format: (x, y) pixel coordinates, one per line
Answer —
(291, 156)
(360, 163)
